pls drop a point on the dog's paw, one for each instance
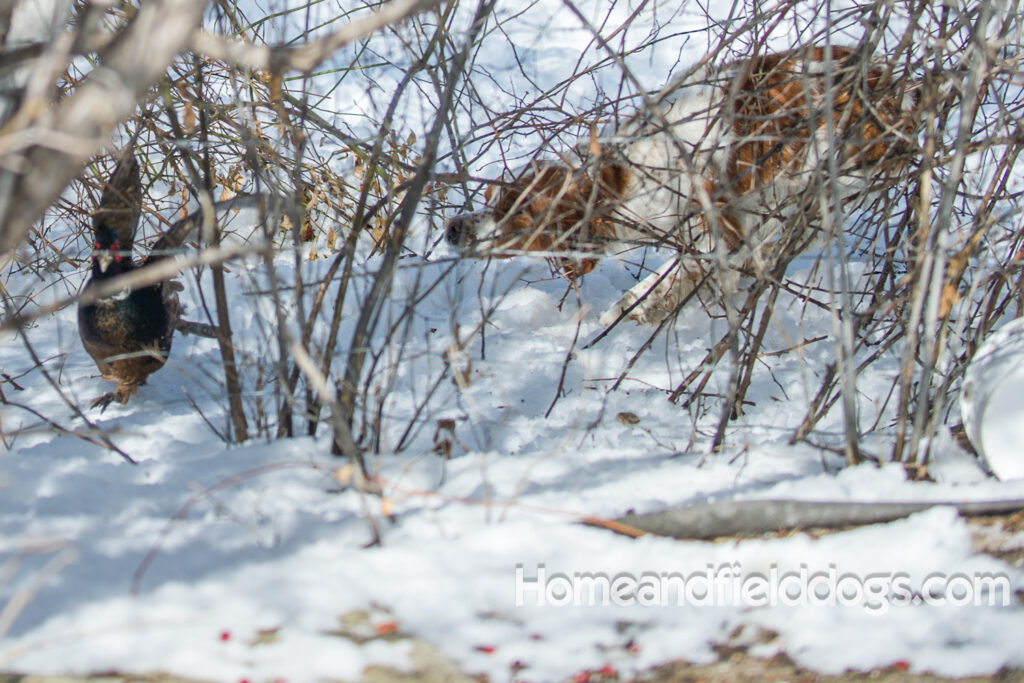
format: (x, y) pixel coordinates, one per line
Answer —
(612, 314)
(643, 314)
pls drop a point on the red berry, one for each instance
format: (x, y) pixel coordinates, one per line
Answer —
(386, 627)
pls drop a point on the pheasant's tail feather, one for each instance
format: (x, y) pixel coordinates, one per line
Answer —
(121, 204)
(180, 231)
(173, 238)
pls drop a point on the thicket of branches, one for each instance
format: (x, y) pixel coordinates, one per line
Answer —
(242, 114)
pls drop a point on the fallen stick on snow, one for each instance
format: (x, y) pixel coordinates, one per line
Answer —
(755, 517)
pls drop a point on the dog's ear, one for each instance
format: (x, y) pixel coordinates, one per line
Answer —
(613, 179)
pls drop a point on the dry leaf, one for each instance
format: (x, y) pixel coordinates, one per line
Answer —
(443, 437)
(183, 211)
(950, 297)
(595, 146)
(627, 418)
(461, 376)
(189, 123)
(344, 474)
(264, 636)
(231, 184)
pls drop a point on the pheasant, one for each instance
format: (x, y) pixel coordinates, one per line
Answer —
(127, 334)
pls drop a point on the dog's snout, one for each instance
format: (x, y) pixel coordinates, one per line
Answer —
(456, 231)
(453, 231)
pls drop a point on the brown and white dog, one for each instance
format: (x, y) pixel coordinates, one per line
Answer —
(724, 168)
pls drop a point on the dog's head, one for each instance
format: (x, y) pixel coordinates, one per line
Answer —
(546, 207)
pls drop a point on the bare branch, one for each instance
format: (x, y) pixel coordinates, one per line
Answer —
(308, 56)
(755, 517)
(31, 179)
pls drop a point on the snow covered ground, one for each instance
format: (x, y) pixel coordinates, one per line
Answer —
(250, 562)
